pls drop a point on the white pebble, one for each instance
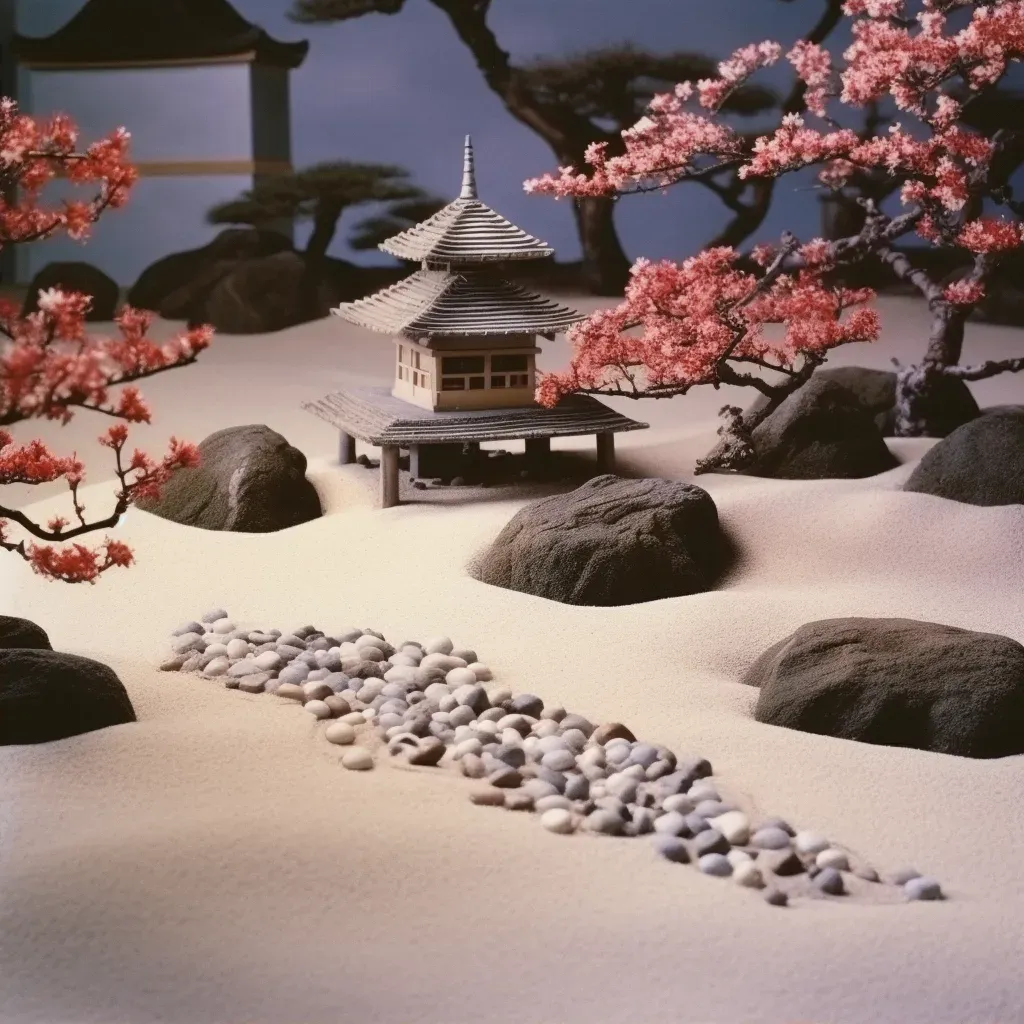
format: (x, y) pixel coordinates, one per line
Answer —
(439, 645)
(833, 858)
(748, 874)
(734, 825)
(223, 626)
(218, 650)
(317, 708)
(470, 746)
(738, 857)
(557, 820)
(268, 660)
(341, 732)
(460, 677)
(681, 802)
(810, 842)
(482, 672)
(499, 695)
(237, 648)
(217, 667)
(358, 759)
(353, 718)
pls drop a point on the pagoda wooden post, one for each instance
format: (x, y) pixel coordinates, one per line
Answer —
(537, 450)
(389, 476)
(606, 452)
(346, 449)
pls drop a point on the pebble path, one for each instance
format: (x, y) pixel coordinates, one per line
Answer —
(429, 703)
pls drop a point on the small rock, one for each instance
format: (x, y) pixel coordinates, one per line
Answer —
(748, 874)
(488, 796)
(291, 691)
(505, 778)
(922, 888)
(317, 708)
(338, 705)
(776, 898)
(517, 800)
(679, 802)
(671, 848)
(833, 858)
(829, 880)
(547, 803)
(672, 823)
(781, 862)
(237, 648)
(428, 752)
(215, 615)
(867, 874)
(340, 732)
(611, 731)
(810, 842)
(223, 625)
(770, 838)
(604, 822)
(558, 820)
(734, 825)
(710, 841)
(256, 683)
(715, 864)
(359, 759)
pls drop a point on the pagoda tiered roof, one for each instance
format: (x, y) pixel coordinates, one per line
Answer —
(438, 302)
(466, 231)
(140, 32)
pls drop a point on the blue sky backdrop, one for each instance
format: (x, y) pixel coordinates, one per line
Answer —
(403, 89)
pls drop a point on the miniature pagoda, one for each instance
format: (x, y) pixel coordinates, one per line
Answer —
(465, 343)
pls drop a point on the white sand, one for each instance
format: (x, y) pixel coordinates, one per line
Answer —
(213, 862)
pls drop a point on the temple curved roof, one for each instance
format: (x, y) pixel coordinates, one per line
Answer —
(438, 302)
(140, 32)
(466, 231)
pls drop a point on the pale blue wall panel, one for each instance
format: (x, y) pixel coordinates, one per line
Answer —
(163, 215)
(178, 113)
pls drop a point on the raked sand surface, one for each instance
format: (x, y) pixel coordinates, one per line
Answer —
(215, 863)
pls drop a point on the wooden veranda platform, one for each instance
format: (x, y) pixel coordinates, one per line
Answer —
(376, 417)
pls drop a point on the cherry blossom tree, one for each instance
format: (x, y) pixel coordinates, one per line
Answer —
(50, 366)
(709, 319)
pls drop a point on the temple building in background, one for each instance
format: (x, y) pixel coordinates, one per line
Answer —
(204, 93)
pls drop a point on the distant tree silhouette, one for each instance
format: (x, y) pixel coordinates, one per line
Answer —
(397, 217)
(575, 101)
(321, 194)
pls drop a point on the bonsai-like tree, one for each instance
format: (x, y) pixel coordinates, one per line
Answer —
(321, 194)
(703, 321)
(574, 102)
(50, 366)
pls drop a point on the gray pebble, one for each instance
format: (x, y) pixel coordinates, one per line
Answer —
(715, 864)
(517, 800)
(710, 841)
(829, 880)
(770, 838)
(505, 778)
(604, 822)
(671, 848)
(776, 897)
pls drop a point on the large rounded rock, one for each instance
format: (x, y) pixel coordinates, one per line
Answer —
(250, 480)
(876, 391)
(610, 542)
(898, 683)
(15, 632)
(76, 276)
(266, 294)
(819, 432)
(46, 695)
(194, 272)
(980, 463)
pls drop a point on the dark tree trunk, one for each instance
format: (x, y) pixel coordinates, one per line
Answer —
(605, 266)
(325, 224)
(919, 389)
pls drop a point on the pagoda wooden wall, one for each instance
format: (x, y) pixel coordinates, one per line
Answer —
(201, 134)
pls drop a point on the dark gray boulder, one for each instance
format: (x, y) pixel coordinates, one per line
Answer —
(876, 391)
(898, 683)
(46, 695)
(15, 632)
(250, 480)
(266, 294)
(980, 463)
(819, 432)
(610, 542)
(193, 272)
(76, 276)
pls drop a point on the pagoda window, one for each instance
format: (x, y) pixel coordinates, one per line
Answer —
(462, 373)
(502, 378)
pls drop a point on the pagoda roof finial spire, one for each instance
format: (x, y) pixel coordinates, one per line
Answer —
(468, 171)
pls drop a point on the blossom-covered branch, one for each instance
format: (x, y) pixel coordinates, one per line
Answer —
(695, 324)
(50, 366)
